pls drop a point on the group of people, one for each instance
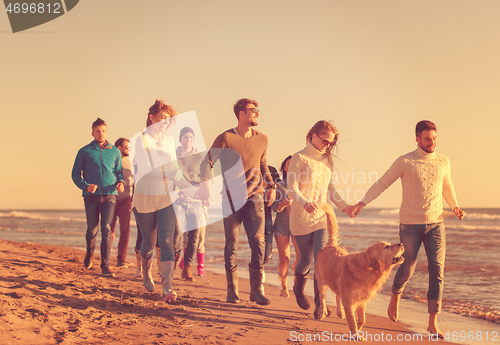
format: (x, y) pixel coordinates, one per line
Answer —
(172, 190)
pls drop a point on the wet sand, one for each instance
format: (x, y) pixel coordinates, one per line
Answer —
(48, 297)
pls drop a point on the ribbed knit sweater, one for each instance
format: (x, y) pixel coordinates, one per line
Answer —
(309, 180)
(425, 178)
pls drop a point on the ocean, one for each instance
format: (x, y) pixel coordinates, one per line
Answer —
(472, 269)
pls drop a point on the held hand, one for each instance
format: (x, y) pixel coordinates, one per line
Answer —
(270, 196)
(349, 210)
(459, 213)
(358, 207)
(310, 207)
(91, 188)
(284, 204)
(203, 193)
(120, 187)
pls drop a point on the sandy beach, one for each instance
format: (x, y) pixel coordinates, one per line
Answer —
(47, 297)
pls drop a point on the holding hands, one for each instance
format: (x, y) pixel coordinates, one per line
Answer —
(353, 210)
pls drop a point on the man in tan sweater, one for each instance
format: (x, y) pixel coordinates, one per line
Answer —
(242, 152)
(425, 177)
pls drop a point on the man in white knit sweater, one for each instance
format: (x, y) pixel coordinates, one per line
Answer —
(425, 177)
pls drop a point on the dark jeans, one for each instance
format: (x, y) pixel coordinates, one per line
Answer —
(252, 216)
(269, 234)
(122, 212)
(177, 239)
(309, 247)
(103, 205)
(158, 226)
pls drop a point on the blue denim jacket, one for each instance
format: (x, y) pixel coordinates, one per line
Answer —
(102, 167)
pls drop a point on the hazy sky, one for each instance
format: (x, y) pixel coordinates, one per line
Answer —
(375, 68)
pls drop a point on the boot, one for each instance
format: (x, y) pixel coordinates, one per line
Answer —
(201, 264)
(284, 286)
(167, 275)
(232, 286)
(147, 278)
(298, 289)
(138, 272)
(256, 289)
(186, 274)
(181, 263)
(158, 260)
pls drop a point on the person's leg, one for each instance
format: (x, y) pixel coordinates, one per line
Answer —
(166, 223)
(411, 236)
(123, 212)
(113, 222)
(254, 219)
(200, 256)
(254, 223)
(283, 244)
(180, 208)
(320, 238)
(268, 234)
(189, 254)
(297, 253)
(107, 210)
(147, 227)
(138, 243)
(167, 227)
(92, 203)
(306, 249)
(305, 244)
(192, 234)
(435, 248)
(232, 225)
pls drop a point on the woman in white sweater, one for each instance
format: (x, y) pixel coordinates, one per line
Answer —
(156, 172)
(310, 186)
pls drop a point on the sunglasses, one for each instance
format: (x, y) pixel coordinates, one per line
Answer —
(254, 110)
(325, 142)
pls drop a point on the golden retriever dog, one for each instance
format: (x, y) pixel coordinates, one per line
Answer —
(354, 278)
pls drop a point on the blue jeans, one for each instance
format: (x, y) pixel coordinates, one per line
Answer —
(191, 218)
(103, 205)
(158, 226)
(252, 215)
(309, 247)
(434, 238)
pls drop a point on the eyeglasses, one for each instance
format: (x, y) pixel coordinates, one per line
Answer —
(254, 110)
(325, 142)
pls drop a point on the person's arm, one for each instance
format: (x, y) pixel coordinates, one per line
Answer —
(336, 198)
(268, 179)
(206, 168)
(77, 172)
(282, 200)
(120, 185)
(449, 192)
(389, 177)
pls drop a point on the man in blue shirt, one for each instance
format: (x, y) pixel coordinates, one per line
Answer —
(98, 173)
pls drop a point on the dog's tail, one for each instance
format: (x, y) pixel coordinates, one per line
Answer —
(332, 226)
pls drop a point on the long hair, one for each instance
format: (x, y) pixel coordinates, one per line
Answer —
(159, 106)
(322, 127)
(282, 169)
